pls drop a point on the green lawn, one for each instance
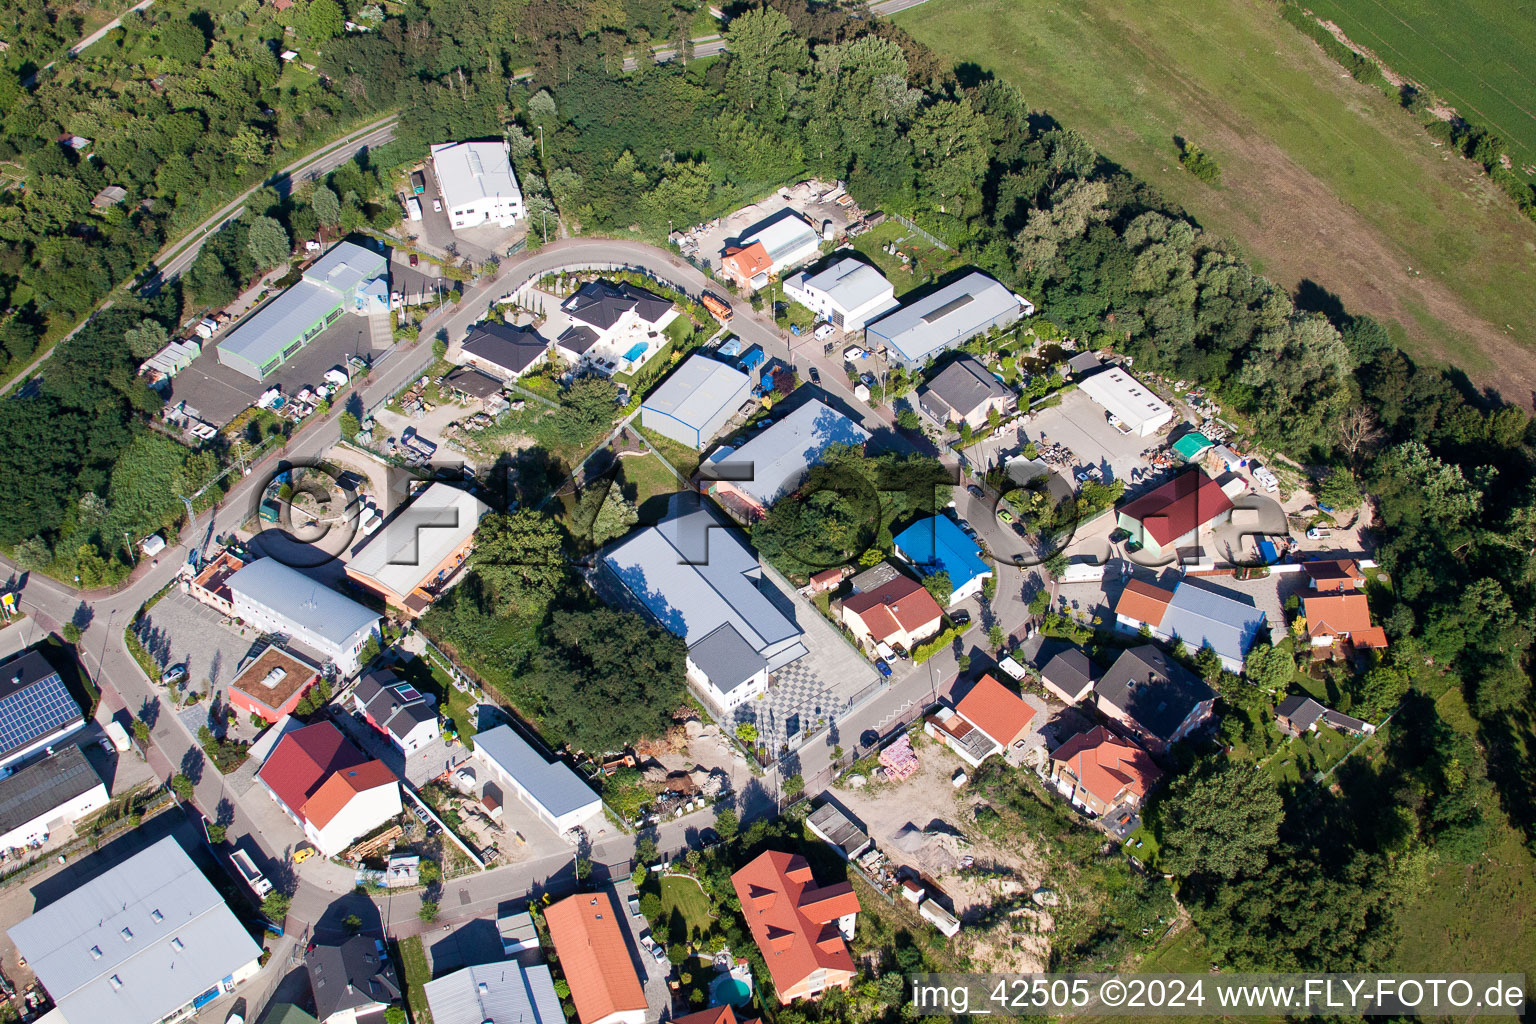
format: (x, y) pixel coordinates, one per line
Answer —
(429, 678)
(1322, 178)
(1298, 758)
(683, 896)
(684, 458)
(648, 476)
(1477, 55)
(926, 261)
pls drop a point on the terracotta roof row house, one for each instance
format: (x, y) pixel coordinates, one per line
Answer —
(1333, 575)
(1155, 697)
(900, 613)
(328, 787)
(1342, 618)
(588, 935)
(1196, 614)
(800, 927)
(1172, 516)
(987, 720)
(1099, 771)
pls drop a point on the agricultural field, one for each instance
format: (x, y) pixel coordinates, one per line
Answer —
(1477, 55)
(1322, 179)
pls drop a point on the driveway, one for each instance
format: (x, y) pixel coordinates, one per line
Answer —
(1080, 424)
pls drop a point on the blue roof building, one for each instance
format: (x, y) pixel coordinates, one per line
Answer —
(937, 544)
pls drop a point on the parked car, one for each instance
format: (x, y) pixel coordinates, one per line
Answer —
(437, 206)
(976, 492)
(659, 953)
(867, 379)
(634, 904)
(824, 332)
(414, 259)
(173, 675)
(815, 375)
(960, 617)
(885, 669)
(1005, 515)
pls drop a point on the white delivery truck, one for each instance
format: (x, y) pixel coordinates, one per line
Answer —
(118, 735)
(253, 878)
(413, 208)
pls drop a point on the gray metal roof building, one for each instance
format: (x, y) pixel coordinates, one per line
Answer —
(33, 795)
(413, 545)
(693, 577)
(777, 461)
(280, 599)
(693, 404)
(551, 788)
(137, 943)
(1203, 616)
(837, 830)
(499, 993)
(944, 319)
(36, 708)
(277, 331)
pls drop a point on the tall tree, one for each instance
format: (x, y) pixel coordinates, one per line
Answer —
(267, 242)
(1221, 822)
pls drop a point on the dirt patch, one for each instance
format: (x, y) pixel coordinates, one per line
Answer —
(926, 824)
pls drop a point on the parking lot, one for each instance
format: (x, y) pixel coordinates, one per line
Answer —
(1083, 426)
(180, 631)
(435, 232)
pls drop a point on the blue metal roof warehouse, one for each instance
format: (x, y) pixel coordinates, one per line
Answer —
(937, 544)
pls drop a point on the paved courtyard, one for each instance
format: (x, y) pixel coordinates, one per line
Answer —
(179, 630)
(1081, 424)
(806, 695)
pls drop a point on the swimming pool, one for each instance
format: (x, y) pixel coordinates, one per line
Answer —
(635, 351)
(727, 989)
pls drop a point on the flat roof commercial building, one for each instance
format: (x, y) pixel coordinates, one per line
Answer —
(147, 941)
(36, 708)
(477, 183)
(588, 935)
(945, 319)
(348, 279)
(279, 599)
(1130, 403)
(696, 401)
(272, 684)
(554, 791)
(704, 584)
(420, 546)
(848, 292)
(50, 794)
(778, 460)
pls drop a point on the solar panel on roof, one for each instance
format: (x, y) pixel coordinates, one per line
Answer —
(35, 711)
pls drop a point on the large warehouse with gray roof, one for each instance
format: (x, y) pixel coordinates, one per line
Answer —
(949, 317)
(693, 404)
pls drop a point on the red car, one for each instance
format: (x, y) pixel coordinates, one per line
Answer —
(413, 259)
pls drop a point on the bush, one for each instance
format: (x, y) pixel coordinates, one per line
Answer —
(1198, 162)
(922, 652)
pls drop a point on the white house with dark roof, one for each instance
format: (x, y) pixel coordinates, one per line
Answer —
(503, 351)
(277, 598)
(397, 709)
(552, 789)
(477, 183)
(965, 391)
(696, 401)
(145, 942)
(614, 328)
(701, 582)
(848, 292)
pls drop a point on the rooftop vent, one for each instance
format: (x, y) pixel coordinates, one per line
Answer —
(95, 952)
(127, 935)
(117, 982)
(157, 915)
(176, 945)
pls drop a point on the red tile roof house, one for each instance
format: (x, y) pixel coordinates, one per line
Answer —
(716, 1015)
(1099, 771)
(988, 720)
(1334, 575)
(800, 928)
(272, 685)
(329, 788)
(1342, 618)
(1172, 516)
(588, 935)
(900, 612)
